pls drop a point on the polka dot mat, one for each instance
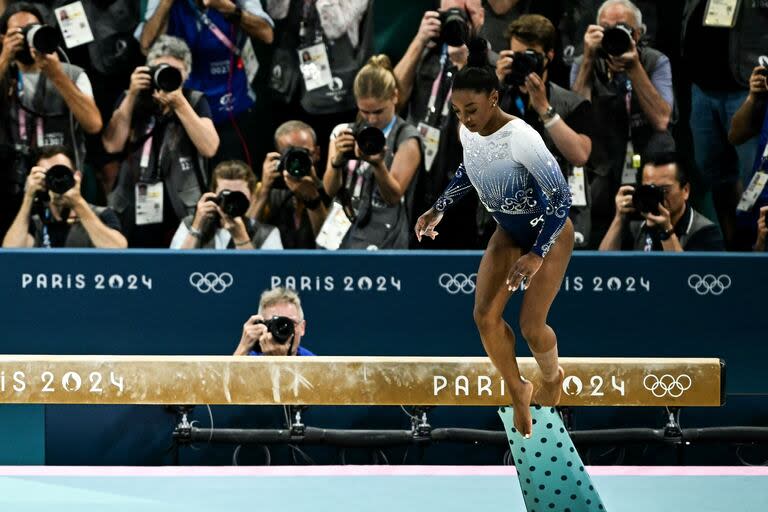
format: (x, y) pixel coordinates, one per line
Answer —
(552, 476)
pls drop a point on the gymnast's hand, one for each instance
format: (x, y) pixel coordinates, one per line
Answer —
(523, 270)
(427, 223)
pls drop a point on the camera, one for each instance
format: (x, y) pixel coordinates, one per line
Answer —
(297, 161)
(763, 61)
(232, 202)
(281, 328)
(43, 38)
(617, 39)
(647, 198)
(454, 27)
(523, 64)
(165, 77)
(370, 140)
(59, 179)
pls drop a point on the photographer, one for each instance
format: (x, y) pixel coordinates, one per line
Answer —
(291, 197)
(654, 215)
(219, 34)
(630, 86)
(281, 308)
(44, 102)
(749, 121)
(220, 220)
(167, 133)
(425, 76)
(561, 117)
(720, 45)
(54, 214)
(372, 163)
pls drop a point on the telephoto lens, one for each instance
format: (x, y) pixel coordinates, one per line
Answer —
(232, 202)
(617, 39)
(454, 27)
(165, 77)
(59, 179)
(43, 38)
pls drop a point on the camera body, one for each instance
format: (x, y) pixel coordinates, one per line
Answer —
(297, 161)
(523, 64)
(281, 328)
(617, 39)
(454, 27)
(647, 198)
(232, 202)
(165, 77)
(370, 140)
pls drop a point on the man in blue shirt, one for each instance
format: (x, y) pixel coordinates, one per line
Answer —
(258, 341)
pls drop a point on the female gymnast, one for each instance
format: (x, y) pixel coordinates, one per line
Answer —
(521, 185)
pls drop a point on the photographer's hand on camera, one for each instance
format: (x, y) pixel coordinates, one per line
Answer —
(305, 189)
(13, 42)
(172, 100)
(72, 198)
(626, 62)
(253, 331)
(624, 205)
(236, 228)
(140, 81)
(35, 182)
(504, 64)
(758, 83)
(49, 63)
(593, 39)
(429, 29)
(662, 221)
(344, 144)
(205, 212)
(537, 93)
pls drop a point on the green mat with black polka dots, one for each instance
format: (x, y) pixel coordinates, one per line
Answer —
(552, 476)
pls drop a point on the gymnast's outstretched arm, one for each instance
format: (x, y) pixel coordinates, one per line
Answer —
(456, 189)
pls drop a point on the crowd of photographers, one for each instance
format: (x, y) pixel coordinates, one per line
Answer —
(270, 124)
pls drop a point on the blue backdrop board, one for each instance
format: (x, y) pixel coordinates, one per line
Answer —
(362, 303)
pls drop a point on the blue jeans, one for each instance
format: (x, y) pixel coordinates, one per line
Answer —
(717, 160)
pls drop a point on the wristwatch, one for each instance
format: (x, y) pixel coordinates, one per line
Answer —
(548, 114)
(666, 235)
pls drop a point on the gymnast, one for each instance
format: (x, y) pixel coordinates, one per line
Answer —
(520, 183)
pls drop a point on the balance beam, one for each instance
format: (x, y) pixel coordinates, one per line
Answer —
(56, 379)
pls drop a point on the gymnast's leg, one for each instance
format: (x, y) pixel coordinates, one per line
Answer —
(491, 298)
(541, 338)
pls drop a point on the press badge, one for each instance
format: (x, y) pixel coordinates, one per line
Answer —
(755, 188)
(721, 13)
(578, 185)
(334, 228)
(315, 67)
(250, 61)
(149, 203)
(74, 25)
(430, 136)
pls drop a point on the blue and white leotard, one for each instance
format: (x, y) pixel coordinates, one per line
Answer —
(518, 181)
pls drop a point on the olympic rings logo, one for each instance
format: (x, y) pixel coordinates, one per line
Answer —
(667, 385)
(211, 282)
(457, 283)
(709, 284)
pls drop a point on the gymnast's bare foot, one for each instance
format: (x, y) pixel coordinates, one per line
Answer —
(521, 403)
(549, 392)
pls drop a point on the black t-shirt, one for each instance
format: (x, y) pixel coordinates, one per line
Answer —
(641, 237)
(64, 234)
(282, 214)
(706, 54)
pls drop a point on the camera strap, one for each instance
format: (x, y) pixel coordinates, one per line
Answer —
(24, 135)
(432, 117)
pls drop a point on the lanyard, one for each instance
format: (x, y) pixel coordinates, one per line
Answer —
(216, 31)
(432, 104)
(46, 242)
(146, 152)
(23, 135)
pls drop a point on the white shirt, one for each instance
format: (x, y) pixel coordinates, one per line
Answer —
(223, 237)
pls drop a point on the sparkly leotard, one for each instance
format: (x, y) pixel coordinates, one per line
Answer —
(518, 181)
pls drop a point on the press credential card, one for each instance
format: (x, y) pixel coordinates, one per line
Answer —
(74, 24)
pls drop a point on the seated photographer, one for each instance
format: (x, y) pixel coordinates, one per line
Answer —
(220, 220)
(44, 102)
(561, 117)
(630, 87)
(372, 164)
(655, 215)
(749, 121)
(291, 197)
(54, 214)
(278, 327)
(165, 133)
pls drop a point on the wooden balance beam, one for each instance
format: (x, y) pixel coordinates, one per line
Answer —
(49, 379)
